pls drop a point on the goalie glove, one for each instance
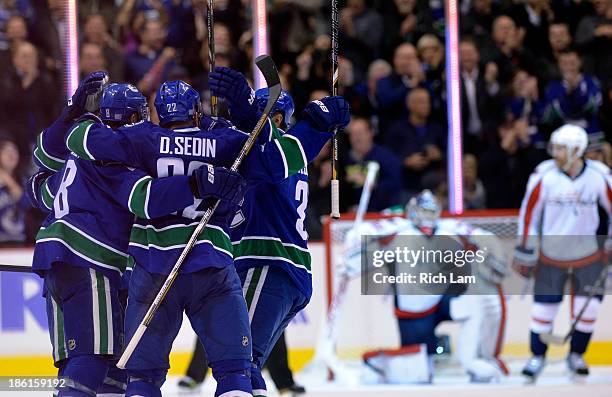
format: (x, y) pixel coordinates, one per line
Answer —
(525, 261)
(218, 182)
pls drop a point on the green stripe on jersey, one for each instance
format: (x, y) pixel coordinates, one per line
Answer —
(139, 197)
(271, 250)
(83, 245)
(177, 237)
(294, 154)
(77, 139)
(47, 196)
(52, 163)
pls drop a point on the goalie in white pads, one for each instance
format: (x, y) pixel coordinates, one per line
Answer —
(480, 312)
(557, 231)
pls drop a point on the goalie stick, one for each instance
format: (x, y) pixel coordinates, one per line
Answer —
(266, 65)
(324, 351)
(549, 338)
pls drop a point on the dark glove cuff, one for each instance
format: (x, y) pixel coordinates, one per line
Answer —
(193, 184)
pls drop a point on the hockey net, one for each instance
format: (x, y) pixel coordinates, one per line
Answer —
(367, 322)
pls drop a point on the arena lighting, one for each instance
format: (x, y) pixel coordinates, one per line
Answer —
(455, 151)
(71, 48)
(260, 38)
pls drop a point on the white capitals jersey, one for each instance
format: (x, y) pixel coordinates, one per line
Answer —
(556, 205)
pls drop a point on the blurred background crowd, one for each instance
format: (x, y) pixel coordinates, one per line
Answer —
(526, 66)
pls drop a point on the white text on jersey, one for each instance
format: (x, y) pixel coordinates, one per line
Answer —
(188, 146)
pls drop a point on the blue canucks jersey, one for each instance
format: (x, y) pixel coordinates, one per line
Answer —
(156, 244)
(279, 240)
(91, 210)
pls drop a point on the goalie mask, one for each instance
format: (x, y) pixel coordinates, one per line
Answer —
(120, 101)
(567, 144)
(424, 211)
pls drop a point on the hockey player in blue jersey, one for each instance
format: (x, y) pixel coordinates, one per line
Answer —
(81, 249)
(270, 252)
(216, 308)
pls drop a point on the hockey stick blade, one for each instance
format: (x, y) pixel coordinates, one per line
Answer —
(268, 70)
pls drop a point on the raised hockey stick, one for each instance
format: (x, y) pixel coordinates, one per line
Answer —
(549, 338)
(324, 352)
(268, 69)
(210, 24)
(335, 183)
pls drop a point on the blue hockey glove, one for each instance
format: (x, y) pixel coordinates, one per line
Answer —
(328, 114)
(233, 86)
(86, 96)
(218, 182)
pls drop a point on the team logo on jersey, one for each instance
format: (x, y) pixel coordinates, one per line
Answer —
(245, 341)
(71, 344)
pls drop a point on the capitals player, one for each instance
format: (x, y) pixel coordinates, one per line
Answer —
(560, 214)
(208, 288)
(479, 311)
(81, 248)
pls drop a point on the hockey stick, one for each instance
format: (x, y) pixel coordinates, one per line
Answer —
(549, 338)
(210, 24)
(335, 183)
(266, 65)
(15, 268)
(324, 351)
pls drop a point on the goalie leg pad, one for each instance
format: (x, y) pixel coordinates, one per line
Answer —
(409, 364)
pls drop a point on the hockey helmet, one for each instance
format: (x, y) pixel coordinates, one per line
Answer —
(574, 138)
(120, 101)
(284, 105)
(177, 101)
(424, 210)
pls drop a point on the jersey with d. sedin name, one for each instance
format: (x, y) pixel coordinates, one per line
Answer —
(91, 210)
(156, 244)
(269, 228)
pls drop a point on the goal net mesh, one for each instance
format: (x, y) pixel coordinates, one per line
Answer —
(367, 322)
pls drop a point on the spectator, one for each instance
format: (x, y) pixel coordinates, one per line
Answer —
(353, 169)
(594, 38)
(363, 101)
(293, 21)
(559, 39)
(361, 28)
(404, 22)
(91, 59)
(96, 31)
(474, 195)
(534, 16)
(28, 97)
(313, 68)
(478, 22)
(10, 9)
(479, 97)
(12, 225)
(417, 142)
(523, 105)
(509, 53)
(575, 98)
(48, 27)
(431, 53)
(148, 66)
(391, 91)
(16, 32)
(506, 165)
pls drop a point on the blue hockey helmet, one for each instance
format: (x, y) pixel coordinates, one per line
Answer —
(424, 210)
(177, 101)
(284, 105)
(120, 101)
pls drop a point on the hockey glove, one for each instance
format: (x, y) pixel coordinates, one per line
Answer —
(233, 86)
(218, 182)
(32, 188)
(328, 114)
(525, 260)
(86, 96)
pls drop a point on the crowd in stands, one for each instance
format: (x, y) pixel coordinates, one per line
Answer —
(526, 66)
